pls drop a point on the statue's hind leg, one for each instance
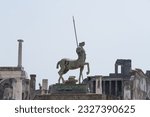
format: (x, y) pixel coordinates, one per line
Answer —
(60, 77)
(63, 81)
(59, 80)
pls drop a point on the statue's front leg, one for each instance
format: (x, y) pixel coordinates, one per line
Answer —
(81, 70)
(87, 68)
(63, 81)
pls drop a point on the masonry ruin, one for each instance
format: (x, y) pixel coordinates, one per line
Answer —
(126, 84)
(113, 84)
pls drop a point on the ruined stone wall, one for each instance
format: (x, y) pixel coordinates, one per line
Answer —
(25, 89)
(148, 88)
(16, 73)
(139, 87)
(127, 90)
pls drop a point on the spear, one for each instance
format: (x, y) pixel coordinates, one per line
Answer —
(76, 36)
(75, 31)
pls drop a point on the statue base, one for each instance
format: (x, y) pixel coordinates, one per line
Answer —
(68, 88)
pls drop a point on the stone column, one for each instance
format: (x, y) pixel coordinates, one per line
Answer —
(116, 89)
(99, 85)
(32, 86)
(110, 87)
(18, 89)
(103, 87)
(20, 53)
(44, 86)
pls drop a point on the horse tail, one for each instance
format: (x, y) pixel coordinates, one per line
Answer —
(58, 64)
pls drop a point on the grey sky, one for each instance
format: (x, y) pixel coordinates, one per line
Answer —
(111, 29)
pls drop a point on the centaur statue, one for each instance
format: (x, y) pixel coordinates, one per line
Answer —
(67, 64)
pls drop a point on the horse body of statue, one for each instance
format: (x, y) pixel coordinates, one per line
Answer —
(67, 64)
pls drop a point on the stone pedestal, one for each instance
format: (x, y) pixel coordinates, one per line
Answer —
(69, 88)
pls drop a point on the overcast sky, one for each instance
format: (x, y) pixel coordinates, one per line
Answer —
(111, 29)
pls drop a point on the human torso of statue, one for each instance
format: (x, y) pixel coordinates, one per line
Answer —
(81, 54)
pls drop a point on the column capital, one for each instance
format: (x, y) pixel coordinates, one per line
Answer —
(20, 40)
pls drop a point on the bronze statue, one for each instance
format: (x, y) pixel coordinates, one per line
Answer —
(66, 64)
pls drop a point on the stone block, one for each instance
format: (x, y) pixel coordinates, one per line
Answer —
(69, 88)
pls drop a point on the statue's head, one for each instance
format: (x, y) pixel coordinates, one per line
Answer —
(82, 44)
(79, 50)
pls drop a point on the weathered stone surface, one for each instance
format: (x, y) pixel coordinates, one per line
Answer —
(18, 75)
(69, 88)
(44, 84)
(94, 84)
(139, 85)
(8, 93)
(32, 86)
(125, 66)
